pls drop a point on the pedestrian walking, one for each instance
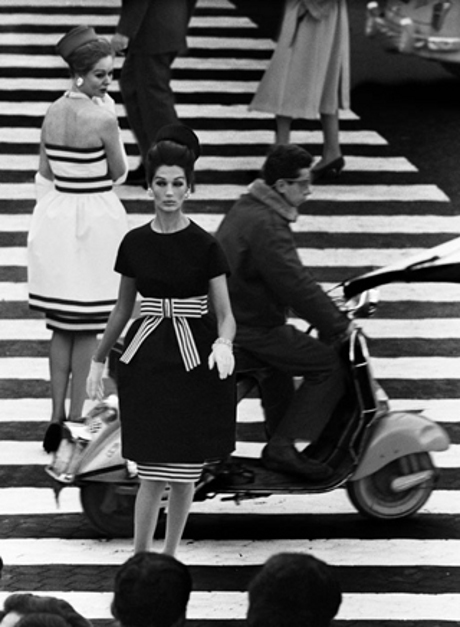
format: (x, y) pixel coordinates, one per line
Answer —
(308, 76)
(176, 411)
(78, 221)
(152, 33)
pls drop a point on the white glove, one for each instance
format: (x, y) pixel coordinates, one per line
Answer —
(222, 357)
(94, 384)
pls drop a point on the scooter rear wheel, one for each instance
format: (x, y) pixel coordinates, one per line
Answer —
(374, 497)
(109, 509)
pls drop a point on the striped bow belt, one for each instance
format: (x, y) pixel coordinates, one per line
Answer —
(155, 310)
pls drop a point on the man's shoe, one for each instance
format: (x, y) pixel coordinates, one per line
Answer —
(137, 177)
(287, 459)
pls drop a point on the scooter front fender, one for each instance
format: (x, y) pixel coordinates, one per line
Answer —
(396, 435)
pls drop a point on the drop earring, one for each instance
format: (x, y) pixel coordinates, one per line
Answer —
(79, 81)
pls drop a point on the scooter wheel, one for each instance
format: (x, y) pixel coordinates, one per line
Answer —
(374, 497)
(109, 509)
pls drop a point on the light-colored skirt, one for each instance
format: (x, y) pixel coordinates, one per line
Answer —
(72, 246)
(309, 73)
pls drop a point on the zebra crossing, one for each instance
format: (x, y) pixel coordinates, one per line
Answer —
(379, 211)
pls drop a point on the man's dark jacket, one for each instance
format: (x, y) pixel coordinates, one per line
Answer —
(155, 26)
(268, 280)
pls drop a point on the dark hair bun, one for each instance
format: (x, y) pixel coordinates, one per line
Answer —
(180, 134)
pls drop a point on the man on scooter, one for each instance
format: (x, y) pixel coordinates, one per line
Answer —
(267, 283)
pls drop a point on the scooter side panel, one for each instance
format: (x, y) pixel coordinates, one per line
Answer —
(399, 434)
(103, 457)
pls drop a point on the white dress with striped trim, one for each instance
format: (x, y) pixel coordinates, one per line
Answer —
(73, 240)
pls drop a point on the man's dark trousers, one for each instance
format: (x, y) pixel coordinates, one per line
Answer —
(294, 353)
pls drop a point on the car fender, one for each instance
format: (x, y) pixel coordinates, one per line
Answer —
(396, 435)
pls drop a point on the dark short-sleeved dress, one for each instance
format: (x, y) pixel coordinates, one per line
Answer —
(170, 414)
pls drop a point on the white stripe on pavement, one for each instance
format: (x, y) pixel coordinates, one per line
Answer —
(417, 368)
(426, 328)
(249, 409)
(233, 605)
(178, 85)
(311, 257)
(230, 164)
(191, 110)
(18, 135)
(438, 293)
(18, 453)
(61, 20)
(334, 551)
(41, 501)
(343, 224)
(208, 43)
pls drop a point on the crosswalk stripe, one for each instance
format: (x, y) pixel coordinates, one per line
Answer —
(206, 43)
(336, 551)
(438, 293)
(18, 135)
(310, 223)
(426, 328)
(350, 193)
(13, 453)
(22, 20)
(17, 256)
(233, 605)
(418, 368)
(207, 110)
(29, 501)
(444, 410)
(222, 164)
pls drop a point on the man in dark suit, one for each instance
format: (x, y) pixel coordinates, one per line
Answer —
(153, 33)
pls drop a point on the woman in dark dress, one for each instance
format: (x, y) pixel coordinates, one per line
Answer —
(176, 390)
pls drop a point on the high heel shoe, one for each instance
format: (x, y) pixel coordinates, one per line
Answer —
(331, 169)
(53, 437)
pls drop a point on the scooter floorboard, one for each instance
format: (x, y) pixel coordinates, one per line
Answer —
(247, 475)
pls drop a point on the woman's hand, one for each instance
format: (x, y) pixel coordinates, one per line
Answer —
(94, 384)
(222, 357)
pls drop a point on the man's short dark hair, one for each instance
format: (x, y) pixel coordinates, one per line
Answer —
(293, 590)
(284, 162)
(151, 590)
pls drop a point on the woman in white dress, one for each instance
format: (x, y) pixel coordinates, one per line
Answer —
(78, 221)
(309, 76)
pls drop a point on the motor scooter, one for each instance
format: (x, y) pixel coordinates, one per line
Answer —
(381, 457)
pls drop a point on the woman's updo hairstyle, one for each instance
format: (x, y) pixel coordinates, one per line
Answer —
(175, 144)
(81, 49)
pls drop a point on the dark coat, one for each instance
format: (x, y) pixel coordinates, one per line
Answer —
(268, 279)
(155, 26)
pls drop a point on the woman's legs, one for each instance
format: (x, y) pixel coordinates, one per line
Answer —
(60, 360)
(331, 145)
(70, 360)
(84, 346)
(283, 130)
(147, 508)
(180, 501)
